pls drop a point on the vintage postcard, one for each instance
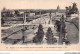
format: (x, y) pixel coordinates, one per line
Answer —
(39, 25)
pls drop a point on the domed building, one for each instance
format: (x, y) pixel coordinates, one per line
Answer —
(58, 8)
(59, 12)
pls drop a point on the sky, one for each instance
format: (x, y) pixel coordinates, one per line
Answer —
(36, 4)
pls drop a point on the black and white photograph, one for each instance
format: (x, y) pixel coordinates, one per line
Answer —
(40, 26)
(40, 22)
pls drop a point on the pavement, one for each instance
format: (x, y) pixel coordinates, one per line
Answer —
(72, 33)
(29, 34)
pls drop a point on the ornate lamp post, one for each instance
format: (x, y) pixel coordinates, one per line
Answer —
(50, 21)
(62, 30)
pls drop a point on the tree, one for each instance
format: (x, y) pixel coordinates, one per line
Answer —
(50, 37)
(17, 13)
(39, 35)
(58, 24)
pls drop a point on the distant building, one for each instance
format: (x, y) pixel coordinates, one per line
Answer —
(58, 13)
(31, 14)
(58, 8)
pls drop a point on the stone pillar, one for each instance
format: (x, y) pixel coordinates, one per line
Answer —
(24, 17)
(40, 17)
(40, 13)
(50, 21)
